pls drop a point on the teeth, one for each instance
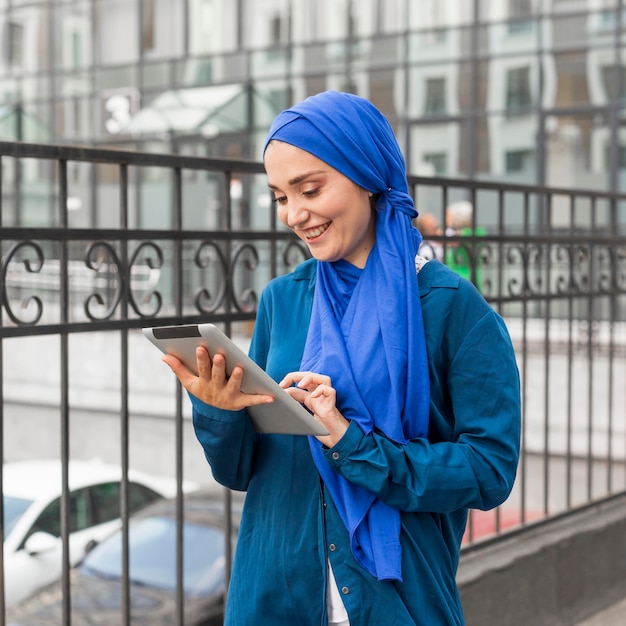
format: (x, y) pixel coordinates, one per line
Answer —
(316, 232)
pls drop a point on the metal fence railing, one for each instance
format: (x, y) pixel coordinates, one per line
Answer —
(98, 243)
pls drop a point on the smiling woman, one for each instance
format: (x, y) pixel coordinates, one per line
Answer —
(330, 213)
(410, 371)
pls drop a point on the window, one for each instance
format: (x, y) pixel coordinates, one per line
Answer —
(279, 29)
(50, 519)
(438, 161)
(435, 96)
(610, 79)
(77, 50)
(520, 9)
(518, 161)
(13, 44)
(518, 90)
(147, 25)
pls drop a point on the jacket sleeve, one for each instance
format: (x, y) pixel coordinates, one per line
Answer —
(227, 437)
(475, 465)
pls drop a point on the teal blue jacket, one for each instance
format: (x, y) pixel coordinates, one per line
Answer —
(290, 526)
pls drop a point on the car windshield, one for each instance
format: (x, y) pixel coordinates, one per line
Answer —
(152, 556)
(13, 510)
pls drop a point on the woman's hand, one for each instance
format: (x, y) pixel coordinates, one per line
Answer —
(212, 385)
(315, 391)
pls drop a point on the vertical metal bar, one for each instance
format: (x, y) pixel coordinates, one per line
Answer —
(570, 363)
(472, 131)
(501, 199)
(524, 373)
(65, 408)
(613, 318)
(615, 104)
(228, 514)
(590, 413)
(546, 407)
(541, 117)
(590, 318)
(124, 275)
(178, 287)
(2, 595)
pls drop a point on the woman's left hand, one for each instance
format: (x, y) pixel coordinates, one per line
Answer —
(315, 391)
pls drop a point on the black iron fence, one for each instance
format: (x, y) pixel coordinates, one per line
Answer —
(98, 243)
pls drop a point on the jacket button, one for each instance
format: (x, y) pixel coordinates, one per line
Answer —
(332, 547)
(345, 591)
(335, 455)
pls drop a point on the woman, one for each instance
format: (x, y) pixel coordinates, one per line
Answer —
(414, 377)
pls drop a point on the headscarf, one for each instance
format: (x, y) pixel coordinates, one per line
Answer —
(372, 347)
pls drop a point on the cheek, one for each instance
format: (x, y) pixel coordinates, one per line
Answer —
(281, 212)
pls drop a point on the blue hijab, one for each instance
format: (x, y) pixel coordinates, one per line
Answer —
(366, 331)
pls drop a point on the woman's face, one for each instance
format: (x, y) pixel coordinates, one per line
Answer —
(328, 211)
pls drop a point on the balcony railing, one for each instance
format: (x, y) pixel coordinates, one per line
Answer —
(99, 243)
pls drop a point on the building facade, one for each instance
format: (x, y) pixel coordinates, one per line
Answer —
(525, 91)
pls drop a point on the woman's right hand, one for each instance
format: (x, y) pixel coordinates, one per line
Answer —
(212, 386)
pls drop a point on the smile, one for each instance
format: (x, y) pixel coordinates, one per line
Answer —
(312, 233)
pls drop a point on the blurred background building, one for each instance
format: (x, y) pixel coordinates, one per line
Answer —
(525, 91)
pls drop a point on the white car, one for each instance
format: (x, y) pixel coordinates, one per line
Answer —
(32, 516)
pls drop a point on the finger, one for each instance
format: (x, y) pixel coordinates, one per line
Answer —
(218, 369)
(310, 380)
(297, 394)
(323, 390)
(235, 379)
(293, 378)
(184, 375)
(203, 363)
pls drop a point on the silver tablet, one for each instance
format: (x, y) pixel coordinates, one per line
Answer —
(283, 416)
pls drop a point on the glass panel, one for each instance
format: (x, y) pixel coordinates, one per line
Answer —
(386, 51)
(80, 517)
(13, 510)
(435, 145)
(116, 77)
(106, 502)
(50, 520)
(117, 24)
(72, 35)
(433, 90)
(152, 547)
(576, 151)
(270, 62)
(156, 75)
(78, 83)
(162, 28)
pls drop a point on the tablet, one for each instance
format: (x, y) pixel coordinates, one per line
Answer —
(283, 416)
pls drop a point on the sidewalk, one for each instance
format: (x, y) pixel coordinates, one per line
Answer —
(613, 616)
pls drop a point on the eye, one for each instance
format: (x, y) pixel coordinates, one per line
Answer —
(310, 193)
(279, 200)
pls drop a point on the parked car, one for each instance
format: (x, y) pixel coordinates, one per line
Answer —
(95, 584)
(32, 516)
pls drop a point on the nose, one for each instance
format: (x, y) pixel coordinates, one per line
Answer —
(296, 214)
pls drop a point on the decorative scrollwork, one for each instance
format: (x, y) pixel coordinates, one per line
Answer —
(607, 272)
(144, 251)
(534, 269)
(248, 255)
(517, 256)
(620, 268)
(31, 266)
(564, 282)
(207, 254)
(101, 257)
(294, 253)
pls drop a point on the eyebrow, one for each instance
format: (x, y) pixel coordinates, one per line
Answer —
(298, 179)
